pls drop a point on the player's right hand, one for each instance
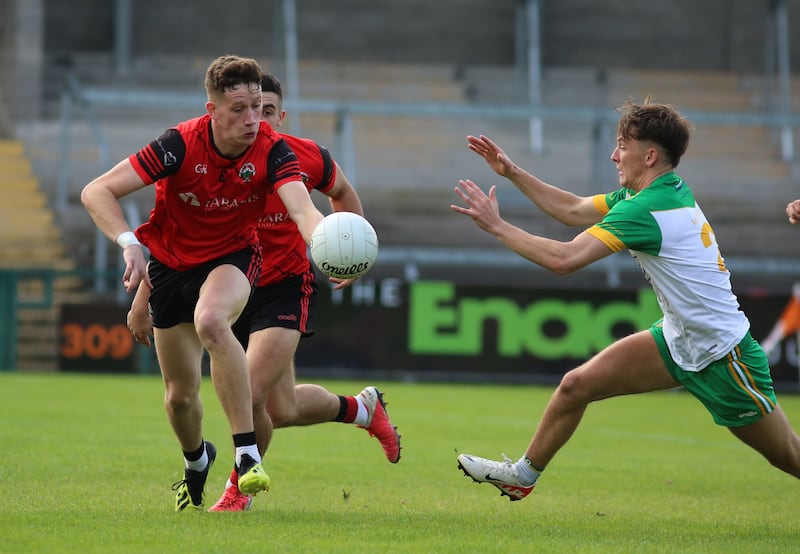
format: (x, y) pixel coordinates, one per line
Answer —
(135, 268)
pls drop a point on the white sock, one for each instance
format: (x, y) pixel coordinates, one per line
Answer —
(525, 473)
(198, 464)
(361, 416)
(251, 450)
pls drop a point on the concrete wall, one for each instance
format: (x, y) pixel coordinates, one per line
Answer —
(408, 31)
(6, 66)
(716, 35)
(21, 62)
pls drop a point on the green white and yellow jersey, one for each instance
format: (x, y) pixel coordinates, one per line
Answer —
(670, 238)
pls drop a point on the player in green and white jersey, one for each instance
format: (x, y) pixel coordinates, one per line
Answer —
(702, 342)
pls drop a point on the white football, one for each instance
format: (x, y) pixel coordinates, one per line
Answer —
(344, 245)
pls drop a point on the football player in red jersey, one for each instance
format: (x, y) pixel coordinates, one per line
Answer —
(212, 176)
(278, 315)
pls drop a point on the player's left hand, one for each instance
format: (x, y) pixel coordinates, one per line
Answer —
(140, 324)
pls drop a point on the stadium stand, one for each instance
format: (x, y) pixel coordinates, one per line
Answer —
(31, 240)
(29, 236)
(405, 168)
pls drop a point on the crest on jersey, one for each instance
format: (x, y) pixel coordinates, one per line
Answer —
(246, 172)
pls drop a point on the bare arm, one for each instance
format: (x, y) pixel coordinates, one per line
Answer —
(101, 199)
(559, 257)
(564, 206)
(301, 209)
(140, 323)
(342, 196)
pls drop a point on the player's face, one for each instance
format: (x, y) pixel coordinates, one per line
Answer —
(235, 118)
(629, 158)
(271, 109)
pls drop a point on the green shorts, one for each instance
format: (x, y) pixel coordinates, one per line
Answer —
(737, 389)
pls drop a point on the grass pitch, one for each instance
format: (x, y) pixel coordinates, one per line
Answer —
(87, 463)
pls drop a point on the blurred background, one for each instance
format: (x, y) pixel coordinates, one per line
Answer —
(393, 88)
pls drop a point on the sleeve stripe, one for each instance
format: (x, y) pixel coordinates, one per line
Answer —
(149, 162)
(609, 239)
(600, 203)
(327, 169)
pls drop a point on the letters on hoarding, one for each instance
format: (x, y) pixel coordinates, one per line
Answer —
(520, 333)
(440, 329)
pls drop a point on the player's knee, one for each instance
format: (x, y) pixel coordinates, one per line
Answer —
(210, 327)
(281, 417)
(573, 387)
(178, 400)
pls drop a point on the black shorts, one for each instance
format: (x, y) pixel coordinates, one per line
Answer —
(175, 293)
(288, 303)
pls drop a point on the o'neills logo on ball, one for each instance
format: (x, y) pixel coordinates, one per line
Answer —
(344, 271)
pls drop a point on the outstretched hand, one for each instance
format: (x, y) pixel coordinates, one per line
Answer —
(493, 154)
(482, 208)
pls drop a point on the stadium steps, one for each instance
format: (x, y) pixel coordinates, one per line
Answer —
(38, 331)
(378, 82)
(37, 339)
(737, 156)
(726, 166)
(406, 165)
(742, 163)
(30, 239)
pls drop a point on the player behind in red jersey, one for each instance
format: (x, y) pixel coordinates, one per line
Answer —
(212, 176)
(279, 314)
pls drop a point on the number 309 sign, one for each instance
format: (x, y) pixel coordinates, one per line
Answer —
(94, 338)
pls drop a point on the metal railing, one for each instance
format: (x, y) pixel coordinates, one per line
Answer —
(601, 120)
(88, 98)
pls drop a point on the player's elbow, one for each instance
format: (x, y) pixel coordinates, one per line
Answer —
(561, 269)
(89, 195)
(564, 265)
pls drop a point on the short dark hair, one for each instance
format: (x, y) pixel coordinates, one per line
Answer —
(227, 72)
(270, 83)
(661, 124)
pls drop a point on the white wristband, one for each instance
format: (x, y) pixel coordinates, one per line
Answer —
(128, 238)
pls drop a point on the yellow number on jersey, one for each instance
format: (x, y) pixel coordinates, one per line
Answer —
(706, 235)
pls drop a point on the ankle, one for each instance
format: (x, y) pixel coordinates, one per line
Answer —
(527, 473)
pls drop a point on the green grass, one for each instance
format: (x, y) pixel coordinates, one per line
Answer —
(87, 463)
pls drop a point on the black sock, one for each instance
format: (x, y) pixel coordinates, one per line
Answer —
(342, 409)
(195, 455)
(244, 439)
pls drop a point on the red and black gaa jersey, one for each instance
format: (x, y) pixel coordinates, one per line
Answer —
(283, 247)
(206, 204)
